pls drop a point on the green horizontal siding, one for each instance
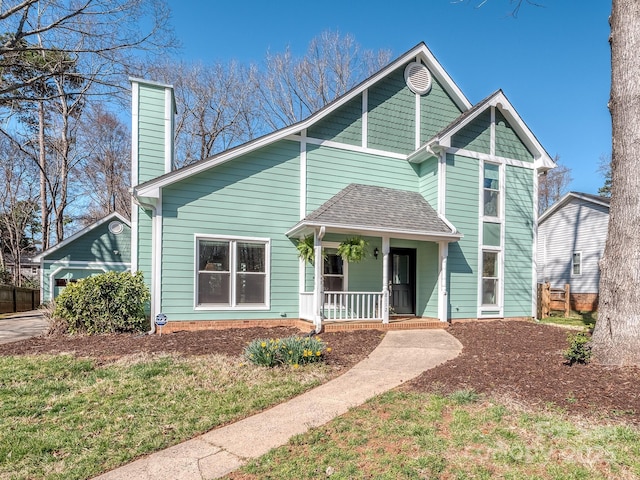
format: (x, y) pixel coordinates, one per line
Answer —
(427, 280)
(476, 136)
(437, 110)
(343, 125)
(96, 245)
(256, 195)
(391, 115)
(518, 256)
(428, 184)
(462, 193)
(508, 143)
(329, 170)
(151, 132)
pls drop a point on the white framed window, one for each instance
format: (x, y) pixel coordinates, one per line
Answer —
(491, 190)
(576, 264)
(490, 277)
(232, 273)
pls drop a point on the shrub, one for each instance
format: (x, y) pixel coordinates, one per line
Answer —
(579, 350)
(292, 350)
(107, 303)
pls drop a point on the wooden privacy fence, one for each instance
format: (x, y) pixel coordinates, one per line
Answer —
(18, 299)
(553, 299)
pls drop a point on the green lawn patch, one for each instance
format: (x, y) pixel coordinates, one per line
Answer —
(69, 418)
(402, 435)
(577, 320)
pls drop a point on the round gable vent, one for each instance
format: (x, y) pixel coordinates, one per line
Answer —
(116, 227)
(418, 78)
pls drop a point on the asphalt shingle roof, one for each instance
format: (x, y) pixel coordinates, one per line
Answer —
(371, 207)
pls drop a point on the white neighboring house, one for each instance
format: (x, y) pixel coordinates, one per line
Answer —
(571, 239)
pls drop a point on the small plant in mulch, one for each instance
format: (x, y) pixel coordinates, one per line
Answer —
(579, 350)
(295, 351)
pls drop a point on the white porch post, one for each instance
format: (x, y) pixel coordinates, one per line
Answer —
(385, 279)
(317, 278)
(443, 297)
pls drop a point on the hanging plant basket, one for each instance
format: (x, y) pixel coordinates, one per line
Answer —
(353, 249)
(305, 249)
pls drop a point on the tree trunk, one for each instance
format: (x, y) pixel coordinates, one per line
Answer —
(42, 161)
(616, 339)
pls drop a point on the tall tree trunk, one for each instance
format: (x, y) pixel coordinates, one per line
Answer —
(616, 339)
(42, 162)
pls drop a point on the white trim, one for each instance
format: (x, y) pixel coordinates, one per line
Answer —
(443, 295)
(168, 130)
(490, 158)
(419, 50)
(534, 274)
(345, 146)
(365, 118)
(233, 241)
(75, 263)
(417, 142)
(135, 131)
(84, 231)
(58, 270)
(492, 132)
(156, 259)
(303, 175)
(376, 232)
(442, 184)
(135, 212)
(345, 265)
(579, 253)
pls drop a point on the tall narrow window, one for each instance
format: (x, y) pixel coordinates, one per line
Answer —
(491, 187)
(490, 278)
(231, 273)
(333, 274)
(576, 264)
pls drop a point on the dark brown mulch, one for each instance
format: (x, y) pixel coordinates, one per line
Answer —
(525, 361)
(347, 348)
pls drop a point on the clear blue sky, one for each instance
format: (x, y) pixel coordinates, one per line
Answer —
(552, 62)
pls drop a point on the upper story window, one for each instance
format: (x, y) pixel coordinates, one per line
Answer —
(232, 273)
(491, 187)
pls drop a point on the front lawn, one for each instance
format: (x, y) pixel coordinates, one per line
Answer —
(577, 320)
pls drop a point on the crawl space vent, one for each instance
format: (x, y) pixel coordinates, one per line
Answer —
(418, 78)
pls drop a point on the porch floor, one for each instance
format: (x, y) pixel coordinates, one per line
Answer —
(395, 323)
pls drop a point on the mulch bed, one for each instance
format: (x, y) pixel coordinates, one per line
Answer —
(520, 359)
(524, 360)
(347, 348)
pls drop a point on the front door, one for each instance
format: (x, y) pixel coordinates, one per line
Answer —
(402, 281)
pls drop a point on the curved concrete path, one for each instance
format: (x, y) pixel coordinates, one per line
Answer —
(401, 356)
(22, 325)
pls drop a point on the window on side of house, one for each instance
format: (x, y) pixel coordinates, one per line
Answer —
(333, 273)
(490, 277)
(232, 273)
(576, 264)
(491, 187)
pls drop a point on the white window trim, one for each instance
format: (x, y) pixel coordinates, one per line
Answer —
(498, 304)
(232, 273)
(579, 253)
(345, 265)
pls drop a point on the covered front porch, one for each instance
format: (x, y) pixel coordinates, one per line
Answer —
(403, 276)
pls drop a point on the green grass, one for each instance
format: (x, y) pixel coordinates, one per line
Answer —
(577, 320)
(401, 435)
(68, 418)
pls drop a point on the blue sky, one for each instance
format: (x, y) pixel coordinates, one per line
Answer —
(552, 62)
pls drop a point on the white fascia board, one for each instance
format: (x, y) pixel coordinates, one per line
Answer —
(304, 228)
(420, 51)
(67, 241)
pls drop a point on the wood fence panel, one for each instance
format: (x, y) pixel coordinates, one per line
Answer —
(17, 299)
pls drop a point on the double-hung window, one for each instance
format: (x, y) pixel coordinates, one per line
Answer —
(490, 269)
(576, 264)
(491, 186)
(232, 272)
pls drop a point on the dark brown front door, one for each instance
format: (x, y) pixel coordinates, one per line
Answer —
(402, 279)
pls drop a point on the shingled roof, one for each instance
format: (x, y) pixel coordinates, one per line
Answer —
(366, 209)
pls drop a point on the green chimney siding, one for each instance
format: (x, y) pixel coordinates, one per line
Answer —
(151, 133)
(476, 136)
(508, 143)
(391, 115)
(462, 194)
(256, 195)
(344, 125)
(518, 249)
(437, 110)
(329, 170)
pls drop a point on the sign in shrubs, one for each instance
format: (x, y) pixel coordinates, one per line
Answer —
(111, 302)
(294, 351)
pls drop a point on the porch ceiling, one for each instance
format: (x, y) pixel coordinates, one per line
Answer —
(378, 211)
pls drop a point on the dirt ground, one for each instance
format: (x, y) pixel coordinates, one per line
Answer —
(520, 359)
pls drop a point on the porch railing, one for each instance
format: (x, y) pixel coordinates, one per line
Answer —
(352, 306)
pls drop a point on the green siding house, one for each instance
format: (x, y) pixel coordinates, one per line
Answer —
(443, 192)
(101, 247)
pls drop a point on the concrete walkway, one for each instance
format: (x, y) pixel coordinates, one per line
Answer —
(22, 325)
(401, 356)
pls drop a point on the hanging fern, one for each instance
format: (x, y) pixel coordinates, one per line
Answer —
(353, 249)
(305, 249)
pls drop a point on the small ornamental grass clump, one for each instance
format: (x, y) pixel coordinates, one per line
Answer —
(294, 351)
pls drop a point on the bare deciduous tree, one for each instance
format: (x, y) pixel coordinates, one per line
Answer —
(616, 338)
(553, 185)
